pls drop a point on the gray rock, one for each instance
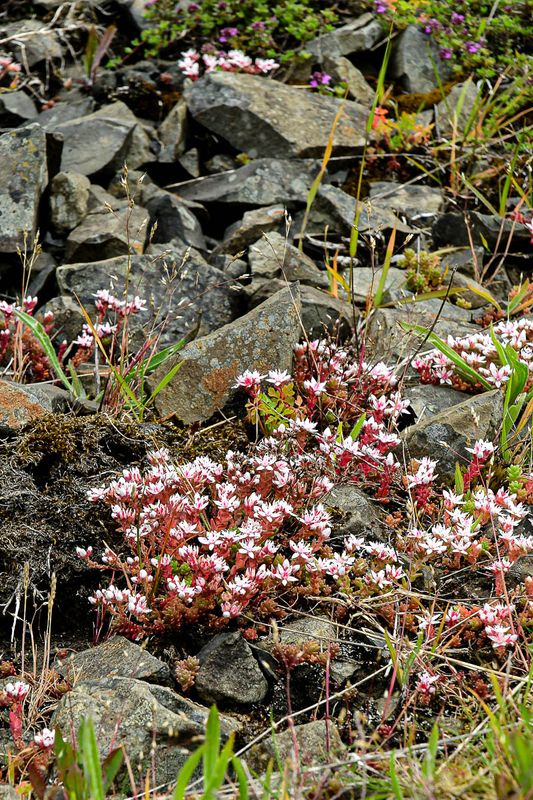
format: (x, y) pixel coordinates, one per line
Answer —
(354, 513)
(65, 112)
(265, 182)
(414, 60)
(23, 178)
(138, 715)
(172, 133)
(264, 118)
(229, 672)
(135, 13)
(322, 312)
(340, 208)
(473, 298)
(108, 234)
(261, 340)
(117, 657)
(365, 282)
(9, 792)
(142, 148)
(454, 112)
(386, 339)
(463, 260)
(173, 219)
(194, 294)
(359, 34)
(93, 144)
(415, 201)
(23, 403)
(273, 257)
(312, 739)
(220, 163)
(33, 42)
(305, 629)
(343, 71)
(190, 161)
(16, 107)
(241, 234)
(427, 400)
(445, 435)
(69, 200)
(451, 228)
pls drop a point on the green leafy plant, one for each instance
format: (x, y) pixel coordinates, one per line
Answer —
(423, 270)
(79, 769)
(254, 26)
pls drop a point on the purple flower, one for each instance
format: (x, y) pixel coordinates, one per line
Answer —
(472, 47)
(193, 7)
(380, 7)
(227, 33)
(457, 18)
(446, 53)
(432, 25)
(258, 26)
(319, 79)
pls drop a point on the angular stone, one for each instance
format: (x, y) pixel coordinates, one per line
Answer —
(172, 133)
(23, 178)
(454, 112)
(69, 200)
(305, 629)
(265, 182)
(387, 340)
(229, 672)
(312, 739)
(242, 233)
(343, 71)
(174, 220)
(415, 201)
(365, 282)
(427, 400)
(359, 34)
(446, 435)
(273, 257)
(33, 42)
(340, 208)
(322, 312)
(136, 714)
(265, 118)
(93, 144)
(261, 340)
(414, 60)
(23, 403)
(15, 108)
(451, 228)
(109, 234)
(199, 296)
(117, 657)
(354, 513)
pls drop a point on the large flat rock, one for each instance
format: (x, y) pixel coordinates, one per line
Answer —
(262, 117)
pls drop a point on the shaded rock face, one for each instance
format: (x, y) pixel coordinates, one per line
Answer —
(139, 716)
(446, 435)
(354, 514)
(264, 118)
(311, 738)
(264, 182)
(261, 340)
(23, 178)
(117, 657)
(200, 295)
(414, 61)
(229, 672)
(347, 40)
(69, 200)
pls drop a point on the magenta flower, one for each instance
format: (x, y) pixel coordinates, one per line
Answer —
(472, 47)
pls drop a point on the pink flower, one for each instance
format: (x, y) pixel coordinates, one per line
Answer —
(45, 738)
(17, 691)
(248, 380)
(499, 636)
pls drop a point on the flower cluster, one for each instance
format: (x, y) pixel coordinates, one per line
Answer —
(207, 540)
(480, 352)
(20, 350)
(193, 64)
(111, 313)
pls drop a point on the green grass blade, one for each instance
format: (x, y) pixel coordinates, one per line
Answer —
(91, 759)
(186, 772)
(242, 778)
(376, 300)
(395, 783)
